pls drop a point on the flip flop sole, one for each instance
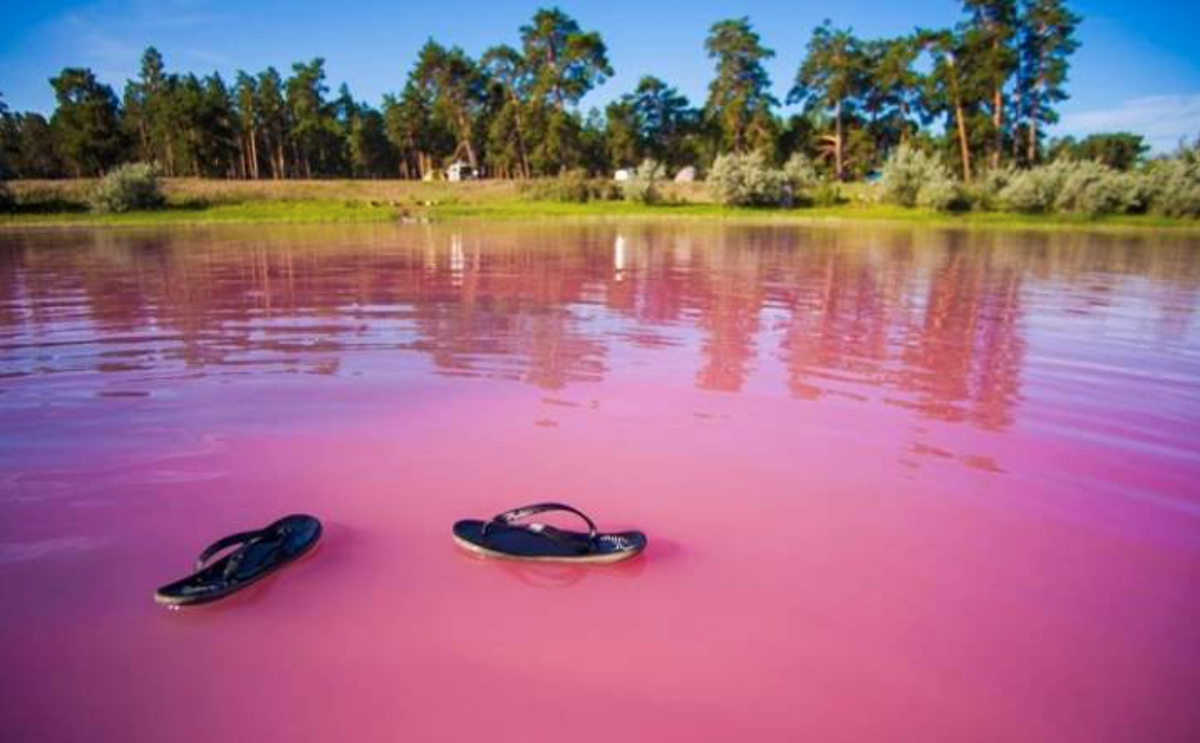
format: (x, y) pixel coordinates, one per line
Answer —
(606, 558)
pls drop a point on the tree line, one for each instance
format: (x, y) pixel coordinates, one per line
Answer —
(980, 94)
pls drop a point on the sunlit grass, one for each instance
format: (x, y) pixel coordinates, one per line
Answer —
(60, 203)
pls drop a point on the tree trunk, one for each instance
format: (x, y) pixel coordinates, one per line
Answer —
(464, 126)
(963, 144)
(998, 124)
(1031, 147)
(520, 135)
(253, 154)
(837, 140)
(1018, 114)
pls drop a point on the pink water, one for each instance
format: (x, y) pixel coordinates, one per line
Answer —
(899, 485)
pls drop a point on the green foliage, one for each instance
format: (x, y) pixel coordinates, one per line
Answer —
(746, 180)
(1172, 187)
(801, 178)
(984, 192)
(826, 194)
(942, 193)
(912, 177)
(833, 74)
(800, 172)
(572, 186)
(1035, 191)
(1119, 150)
(128, 188)
(642, 186)
(654, 121)
(1094, 189)
(564, 61)
(86, 122)
(739, 96)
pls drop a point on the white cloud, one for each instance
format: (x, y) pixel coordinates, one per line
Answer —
(1163, 120)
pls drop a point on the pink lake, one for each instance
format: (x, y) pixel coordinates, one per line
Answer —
(899, 485)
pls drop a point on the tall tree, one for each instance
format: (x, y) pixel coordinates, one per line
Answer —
(565, 61)
(739, 94)
(992, 31)
(622, 134)
(1047, 40)
(274, 118)
(245, 92)
(456, 89)
(950, 87)
(371, 154)
(9, 138)
(663, 119)
(315, 136)
(831, 78)
(891, 93)
(507, 134)
(86, 122)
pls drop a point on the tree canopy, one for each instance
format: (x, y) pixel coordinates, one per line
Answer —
(979, 95)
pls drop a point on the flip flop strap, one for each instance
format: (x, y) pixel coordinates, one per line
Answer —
(245, 538)
(511, 519)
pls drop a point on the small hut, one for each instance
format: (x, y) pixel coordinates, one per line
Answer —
(460, 171)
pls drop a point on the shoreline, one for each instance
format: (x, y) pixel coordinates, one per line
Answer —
(191, 202)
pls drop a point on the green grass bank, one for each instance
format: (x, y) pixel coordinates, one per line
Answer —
(200, 202)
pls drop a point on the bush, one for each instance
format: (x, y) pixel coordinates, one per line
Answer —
(942, 193)
(1171, 188)
(572, 186)
(1094, 189)
(642, 184)
(129, 187)
(827, 194)
(800, 178)
(6, 199)
(984, 193)
(913, 178)
(746, 180)
(1035, 191)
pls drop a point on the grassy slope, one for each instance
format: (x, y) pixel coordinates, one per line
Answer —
(53, 203)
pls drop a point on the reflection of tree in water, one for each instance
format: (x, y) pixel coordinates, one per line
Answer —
(931, 320)
(963, 360)
(728, 298)
(839, 322)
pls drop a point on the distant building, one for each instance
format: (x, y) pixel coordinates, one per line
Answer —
(460, 171)
(622, 175)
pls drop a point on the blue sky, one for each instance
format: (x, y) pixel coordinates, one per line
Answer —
(1138, 68)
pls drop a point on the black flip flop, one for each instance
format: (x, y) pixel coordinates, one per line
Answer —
(504, 537)
(260, 553)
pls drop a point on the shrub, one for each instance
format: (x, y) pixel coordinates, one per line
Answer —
(984, 193)
(827, 194)
(943, 193)
(1171, 188)
(570, 186)
(746, 180)
(129, 187)
(800, 178)
(911, 177)
(904, 173)
(642, 185)
(1089, 187)
(1035, 191)
(6, 199)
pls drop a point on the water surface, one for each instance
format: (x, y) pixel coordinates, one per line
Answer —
(899, 484)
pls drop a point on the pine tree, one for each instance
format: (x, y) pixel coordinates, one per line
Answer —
(739, 94)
